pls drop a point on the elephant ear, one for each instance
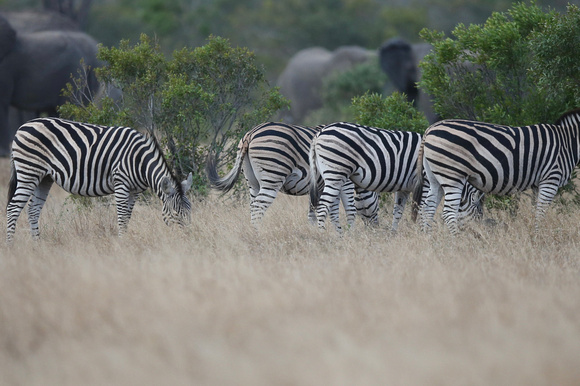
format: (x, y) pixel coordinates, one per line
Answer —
(7, 37)
(398, 62)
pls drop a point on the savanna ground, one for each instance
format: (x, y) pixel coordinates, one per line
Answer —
(220, 303)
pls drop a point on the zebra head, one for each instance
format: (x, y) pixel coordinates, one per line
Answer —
(471, 206)
(176, 205)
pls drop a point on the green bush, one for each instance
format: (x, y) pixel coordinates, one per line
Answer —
(393, 112)
(200, 102)
(483, 74)
(519, 68)
(340, 88)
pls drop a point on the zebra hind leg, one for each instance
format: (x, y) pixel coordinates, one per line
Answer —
(261, 203)
(22, 193)
(124, 206)
(329, 197)
(36, 204)
(430, 206)
(545, 196)
(451, 207)
(348, 202)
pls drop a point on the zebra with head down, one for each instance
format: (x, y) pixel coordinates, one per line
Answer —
(89, 160)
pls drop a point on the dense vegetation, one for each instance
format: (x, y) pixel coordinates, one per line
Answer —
(201, 101)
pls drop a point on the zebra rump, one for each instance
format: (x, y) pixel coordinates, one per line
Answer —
(374, 159)
(274, 158)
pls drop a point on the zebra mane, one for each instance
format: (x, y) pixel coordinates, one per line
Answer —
(575, 111)
(151, 137)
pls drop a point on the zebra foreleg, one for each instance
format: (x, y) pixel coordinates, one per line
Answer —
(124, 202)
(545, 195)
(367, 205)
(36, 204)
(400, 202)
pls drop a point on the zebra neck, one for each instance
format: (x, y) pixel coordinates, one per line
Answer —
(154, 168)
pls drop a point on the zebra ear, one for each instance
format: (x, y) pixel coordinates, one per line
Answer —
(167, 186)
(186, 184)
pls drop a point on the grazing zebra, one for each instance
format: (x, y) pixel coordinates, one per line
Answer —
(374, 160)
(274, 157)
(89, 160)
(497, 159)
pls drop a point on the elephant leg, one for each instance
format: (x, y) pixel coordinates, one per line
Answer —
(6, 132)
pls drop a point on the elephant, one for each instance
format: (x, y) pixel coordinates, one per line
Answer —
(35, 67)
(34, 21)
(301, 80)
(400, 61)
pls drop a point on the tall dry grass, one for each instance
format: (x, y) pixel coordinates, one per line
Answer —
(221, 303)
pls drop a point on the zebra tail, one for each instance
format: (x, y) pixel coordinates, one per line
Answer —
(314, 176)
(226, 183)
(12, 184)
(418, 189)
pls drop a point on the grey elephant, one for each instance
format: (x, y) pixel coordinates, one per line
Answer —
(301, 80)
(35, 67)
(400, 61)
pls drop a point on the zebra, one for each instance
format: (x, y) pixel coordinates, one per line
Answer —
(274, 158)
(375, 160)
(497, 159)
(89, 160)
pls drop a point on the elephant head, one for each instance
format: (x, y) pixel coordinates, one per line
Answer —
(399, 63)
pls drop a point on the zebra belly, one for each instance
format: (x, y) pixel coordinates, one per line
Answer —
(365, 181)
(84, 187)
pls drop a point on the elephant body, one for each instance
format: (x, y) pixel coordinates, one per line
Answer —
(301, 80)
(34, 68)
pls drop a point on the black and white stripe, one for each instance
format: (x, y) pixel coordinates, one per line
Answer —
(374, 160)
(89, 160)
(497, 159)
(274, 158)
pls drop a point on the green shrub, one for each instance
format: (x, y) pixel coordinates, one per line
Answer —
(393, 112)
(200, 102)
(519, 68)
(340, 88)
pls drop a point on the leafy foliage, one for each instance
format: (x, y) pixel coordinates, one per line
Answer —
(340, 88)
(483, 74)
(556, 49)
(201, 101)
(393, 112)
(520, 67)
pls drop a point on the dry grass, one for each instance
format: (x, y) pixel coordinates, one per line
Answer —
(221, 303)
